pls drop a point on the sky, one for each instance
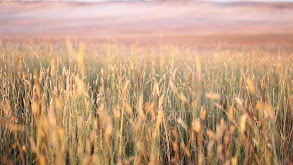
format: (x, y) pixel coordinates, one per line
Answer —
(155, 0)
(251, 0)
(201, 0)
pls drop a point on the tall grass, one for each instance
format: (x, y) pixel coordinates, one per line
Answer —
(144, 105)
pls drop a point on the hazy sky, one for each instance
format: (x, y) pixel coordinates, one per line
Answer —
(200, 0)
(155, 0)
(252, 0)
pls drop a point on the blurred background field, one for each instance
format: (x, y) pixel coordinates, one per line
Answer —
(191, 22)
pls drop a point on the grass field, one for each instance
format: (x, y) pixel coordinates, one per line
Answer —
(164, 104)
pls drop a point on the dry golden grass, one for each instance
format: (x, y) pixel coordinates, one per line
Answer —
(145, 105)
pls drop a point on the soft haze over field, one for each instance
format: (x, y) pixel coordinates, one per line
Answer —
(197, 22)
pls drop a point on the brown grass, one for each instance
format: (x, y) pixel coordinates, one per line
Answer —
(144, 105)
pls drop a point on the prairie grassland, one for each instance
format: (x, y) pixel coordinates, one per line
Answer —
(145, 105)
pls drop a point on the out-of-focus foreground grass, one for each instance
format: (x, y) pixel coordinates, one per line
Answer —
(137, 104)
